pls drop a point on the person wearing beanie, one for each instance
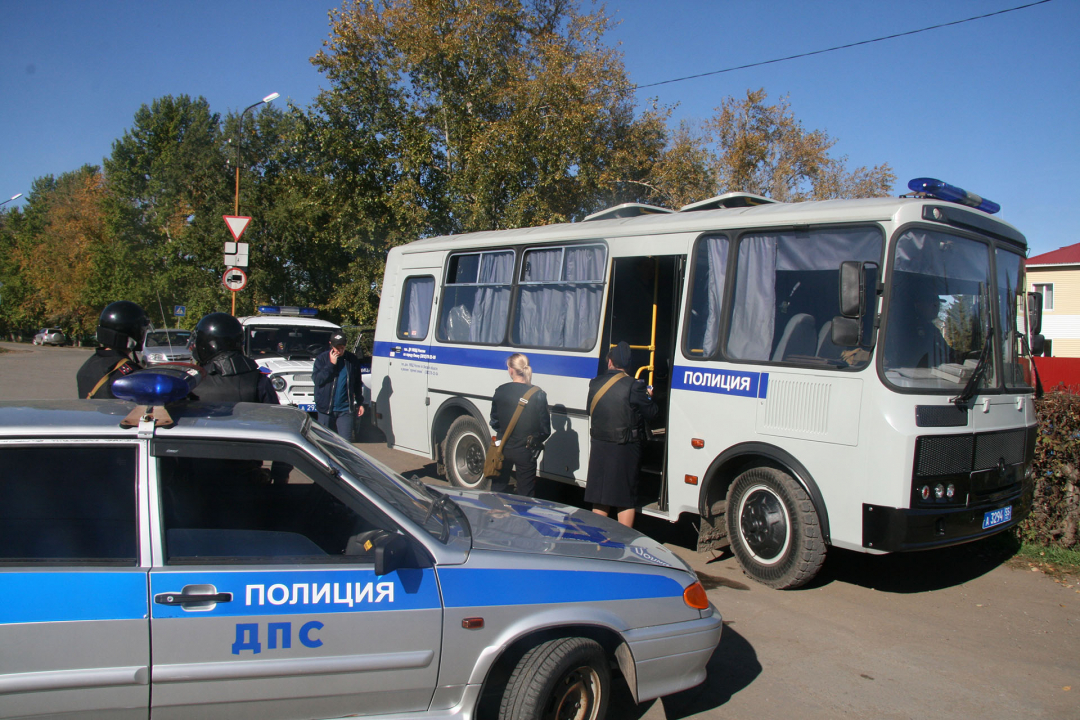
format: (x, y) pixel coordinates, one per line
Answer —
(619, 406)
(522, 448)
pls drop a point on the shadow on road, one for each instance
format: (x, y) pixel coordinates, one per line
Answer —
(732, 667)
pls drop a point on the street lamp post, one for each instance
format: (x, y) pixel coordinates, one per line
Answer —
(16, 196)
(240, 139)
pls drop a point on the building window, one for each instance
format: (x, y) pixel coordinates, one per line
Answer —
(1047, 290)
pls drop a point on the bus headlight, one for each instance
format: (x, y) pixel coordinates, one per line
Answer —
(278, 383)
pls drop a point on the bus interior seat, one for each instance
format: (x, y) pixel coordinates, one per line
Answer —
(826, 348)
(799, 338)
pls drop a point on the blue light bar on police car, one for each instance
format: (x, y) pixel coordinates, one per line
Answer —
(950, 193)
(160, 385)
(287, 310)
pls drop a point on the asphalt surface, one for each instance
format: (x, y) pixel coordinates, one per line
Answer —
(960, 633)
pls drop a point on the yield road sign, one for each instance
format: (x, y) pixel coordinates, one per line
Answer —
(237, 224)
(235, 279)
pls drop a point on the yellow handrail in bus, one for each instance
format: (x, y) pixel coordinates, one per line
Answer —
(651, 347)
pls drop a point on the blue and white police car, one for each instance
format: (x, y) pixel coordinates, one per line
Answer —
(178, 560)
(284, 342)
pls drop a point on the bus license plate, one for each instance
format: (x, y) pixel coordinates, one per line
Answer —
(997, 517)
(307, 407)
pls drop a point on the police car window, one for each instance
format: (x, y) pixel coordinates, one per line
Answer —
(68, 505)
(248, 508)
(412, 498)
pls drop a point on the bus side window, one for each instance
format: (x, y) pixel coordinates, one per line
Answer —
(416, 297)
(707, 296)
(561, 291)
(476, 297)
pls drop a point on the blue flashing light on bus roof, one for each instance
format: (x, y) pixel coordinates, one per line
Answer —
(287, 310)
(950, 193)
(159, 386)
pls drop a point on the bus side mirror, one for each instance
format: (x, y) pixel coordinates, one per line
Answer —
(1034, 313)
(852, 289)
(1036, 344)
(845, 332)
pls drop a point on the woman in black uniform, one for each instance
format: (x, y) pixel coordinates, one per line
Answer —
(533, 427)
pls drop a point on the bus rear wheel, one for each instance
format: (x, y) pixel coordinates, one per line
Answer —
(774, 529)
(466, 447)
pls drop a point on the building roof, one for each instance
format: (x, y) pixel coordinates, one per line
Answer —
(1068, 255)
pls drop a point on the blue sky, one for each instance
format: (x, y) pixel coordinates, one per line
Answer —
(991, 105)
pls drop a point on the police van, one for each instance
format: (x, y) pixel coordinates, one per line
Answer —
(837, 373)
(284, 342)
(223, 561)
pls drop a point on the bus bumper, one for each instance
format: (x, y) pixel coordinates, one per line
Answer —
(892, 529)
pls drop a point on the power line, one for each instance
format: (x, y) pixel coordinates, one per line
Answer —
(843, 47)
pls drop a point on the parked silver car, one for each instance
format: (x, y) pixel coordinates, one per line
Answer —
(277, 572)
(50, 336)
(166, 346)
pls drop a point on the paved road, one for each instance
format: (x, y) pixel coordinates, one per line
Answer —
(952, 634)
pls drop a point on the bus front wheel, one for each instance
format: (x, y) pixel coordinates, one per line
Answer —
(773, 528)
(466, 447)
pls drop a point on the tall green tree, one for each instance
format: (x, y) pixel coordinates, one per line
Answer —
(169, 184)
(764, 149)
(447, 116)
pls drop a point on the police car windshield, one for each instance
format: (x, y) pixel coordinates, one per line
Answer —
(413, 499)
(288, 341)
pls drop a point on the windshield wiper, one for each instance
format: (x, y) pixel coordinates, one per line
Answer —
(980, 370)
(441, 505)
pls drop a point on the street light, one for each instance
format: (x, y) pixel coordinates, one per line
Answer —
(239, 140)
(16, 196)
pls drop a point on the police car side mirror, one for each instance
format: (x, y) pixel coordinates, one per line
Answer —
(391, 552)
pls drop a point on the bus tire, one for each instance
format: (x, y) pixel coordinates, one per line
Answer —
(466, 447)
(562, 678)
(774, 529)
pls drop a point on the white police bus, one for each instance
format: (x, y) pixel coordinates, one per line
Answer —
(842, 373)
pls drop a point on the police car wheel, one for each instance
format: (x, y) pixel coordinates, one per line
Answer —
(774, 529)
(466, 447)
(563, 679)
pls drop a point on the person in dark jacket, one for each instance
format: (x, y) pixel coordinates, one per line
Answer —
(619, 406)
(120, 331)
(522, 448)
(338, 392)
(231, 377)
(217, 345)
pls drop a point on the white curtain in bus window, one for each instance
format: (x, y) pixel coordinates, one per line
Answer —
(561, 290)
(939, 309)
(476, 298)
(787, 290)
(1010, 282)
(416, 307)
(710, 272)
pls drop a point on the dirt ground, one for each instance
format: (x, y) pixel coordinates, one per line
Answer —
(968, 632)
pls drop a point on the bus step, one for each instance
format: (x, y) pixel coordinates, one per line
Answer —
(653, 510)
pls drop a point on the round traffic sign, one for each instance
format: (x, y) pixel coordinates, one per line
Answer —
(235, 279)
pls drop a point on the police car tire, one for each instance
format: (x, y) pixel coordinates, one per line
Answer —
(773, 528)
(554, 677)
(466, 445)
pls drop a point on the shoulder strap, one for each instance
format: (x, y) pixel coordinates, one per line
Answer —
(517, 412)
(105, 377)
(607, 386)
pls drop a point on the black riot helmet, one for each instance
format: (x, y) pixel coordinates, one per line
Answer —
(122, 326)
(216, 333)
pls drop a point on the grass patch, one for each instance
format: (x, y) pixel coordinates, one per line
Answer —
(1064, 557)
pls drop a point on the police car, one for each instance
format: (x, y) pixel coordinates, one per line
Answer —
(285, 341)
(178, 560)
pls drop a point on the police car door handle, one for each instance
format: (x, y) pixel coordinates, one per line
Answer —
(175, 598)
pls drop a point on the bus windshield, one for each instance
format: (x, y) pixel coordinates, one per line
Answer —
(940, 315)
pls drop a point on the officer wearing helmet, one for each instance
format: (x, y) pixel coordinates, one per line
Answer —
(231, 376)
(120, 331)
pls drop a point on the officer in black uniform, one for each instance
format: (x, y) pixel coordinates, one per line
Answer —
(617, 431)
(533, 427)
(231, 376)
(120, 331)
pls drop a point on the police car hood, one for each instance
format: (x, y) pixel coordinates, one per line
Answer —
(520, 524)
(277, 365)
